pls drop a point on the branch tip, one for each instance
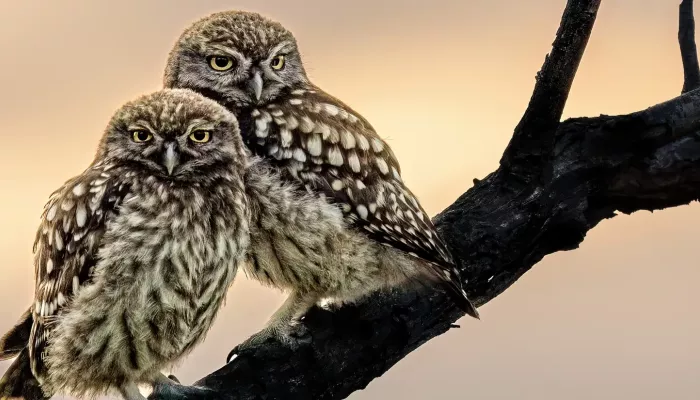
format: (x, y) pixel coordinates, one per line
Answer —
(533, 134)
(686, 40)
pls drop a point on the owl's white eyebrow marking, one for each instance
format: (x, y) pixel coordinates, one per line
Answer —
(231, 52)
(280, 47)
(198, 124)
(141, 124)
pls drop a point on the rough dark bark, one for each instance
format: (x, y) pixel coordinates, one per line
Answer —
(686, 39)
(557, 180)
(533, 138)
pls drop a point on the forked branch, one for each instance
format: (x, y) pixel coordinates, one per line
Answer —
(533, 138)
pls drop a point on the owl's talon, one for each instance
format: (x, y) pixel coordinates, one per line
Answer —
(291, 335)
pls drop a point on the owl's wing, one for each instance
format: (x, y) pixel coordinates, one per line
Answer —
(318, 140)
(66, 246)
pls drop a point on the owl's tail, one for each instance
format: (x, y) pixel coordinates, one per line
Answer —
(19, 382)
(460, 297)
(12, 343)
(449, 279)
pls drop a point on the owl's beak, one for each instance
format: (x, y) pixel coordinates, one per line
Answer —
(171, 158)
(256, 84)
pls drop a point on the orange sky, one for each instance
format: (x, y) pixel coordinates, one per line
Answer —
(446, 82)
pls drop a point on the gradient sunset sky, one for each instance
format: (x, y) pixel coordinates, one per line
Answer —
(445, 81)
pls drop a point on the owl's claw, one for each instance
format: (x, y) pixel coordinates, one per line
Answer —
(291, 335)
(286, 325)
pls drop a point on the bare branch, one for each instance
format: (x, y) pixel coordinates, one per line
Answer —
(533, 135)
(689, 53)
(497, 230)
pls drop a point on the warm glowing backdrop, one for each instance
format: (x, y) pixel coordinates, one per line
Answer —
(446, 82)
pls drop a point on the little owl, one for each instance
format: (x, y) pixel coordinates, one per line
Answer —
(252, 66)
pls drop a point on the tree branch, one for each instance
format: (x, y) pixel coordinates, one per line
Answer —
(686, 39)
(589, 168)
(533, 137)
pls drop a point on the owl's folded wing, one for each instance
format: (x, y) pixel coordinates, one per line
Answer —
(66, 246)
(316, 139)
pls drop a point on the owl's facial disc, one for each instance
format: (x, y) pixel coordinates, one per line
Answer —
(234, 73)
(247, 79)
(174, 135)
(175, 151)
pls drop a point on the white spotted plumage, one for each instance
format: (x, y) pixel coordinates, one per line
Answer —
(357, 168)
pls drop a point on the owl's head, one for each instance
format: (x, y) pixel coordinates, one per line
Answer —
(176, 135)
(237, 58)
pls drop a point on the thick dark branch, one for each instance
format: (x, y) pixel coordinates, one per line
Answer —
(533, 136)
(686, 39)
(497, 230)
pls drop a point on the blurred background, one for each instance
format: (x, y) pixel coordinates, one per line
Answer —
(445, 82)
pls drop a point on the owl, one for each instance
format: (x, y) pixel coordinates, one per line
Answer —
(252, 65)
(134, 256)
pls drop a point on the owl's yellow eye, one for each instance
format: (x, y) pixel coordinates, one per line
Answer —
(140, 136)
(277, 63)
(200, 136)
(221, 63)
